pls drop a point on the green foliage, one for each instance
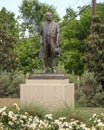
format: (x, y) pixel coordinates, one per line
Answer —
(9, 84)
(28, 52)
(75, 117)
(100, 9)
(8, 39)
(8, 22)
(78, 113)
(60, 67)
(73, 33)
(87, 91)
(84, 23)
(94, 51)
(71, 46)
(33, 13)
(4, 83)
(34, 110)
(70, 14)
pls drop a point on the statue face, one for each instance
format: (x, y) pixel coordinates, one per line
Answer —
(49, 16)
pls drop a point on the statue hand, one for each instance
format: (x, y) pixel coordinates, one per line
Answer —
(41, 42)
(57, 44)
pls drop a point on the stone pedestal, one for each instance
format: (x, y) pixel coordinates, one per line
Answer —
(53, 91)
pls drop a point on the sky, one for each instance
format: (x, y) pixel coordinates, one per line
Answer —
(60, 5)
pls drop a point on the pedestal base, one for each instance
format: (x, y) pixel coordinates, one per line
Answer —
(52, 93)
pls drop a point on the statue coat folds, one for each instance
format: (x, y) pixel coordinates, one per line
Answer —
(49, 38)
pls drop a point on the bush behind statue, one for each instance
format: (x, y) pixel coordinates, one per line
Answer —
(9, 84)
(87, 90)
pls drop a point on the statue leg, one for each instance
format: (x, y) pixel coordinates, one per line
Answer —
(53, 58)
(46, 59)
(45, 65)
(53, 64)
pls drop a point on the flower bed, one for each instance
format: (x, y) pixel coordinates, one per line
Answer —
(15, 120)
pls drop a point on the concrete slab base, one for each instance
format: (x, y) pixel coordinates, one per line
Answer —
(52, 94)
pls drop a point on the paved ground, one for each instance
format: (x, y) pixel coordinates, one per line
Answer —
(9, 101)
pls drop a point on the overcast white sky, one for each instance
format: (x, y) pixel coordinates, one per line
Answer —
(61, 5)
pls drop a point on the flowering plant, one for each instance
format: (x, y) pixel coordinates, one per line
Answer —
(97, 121)
(14, 120)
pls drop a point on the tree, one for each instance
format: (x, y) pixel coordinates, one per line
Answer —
(71, 43)
(33, 13)
(73, 33)
(8, 40)
(94, 46)
(28, 52)
(99, 12)
(94, 52)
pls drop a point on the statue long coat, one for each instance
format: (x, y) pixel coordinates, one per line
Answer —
(54, 37)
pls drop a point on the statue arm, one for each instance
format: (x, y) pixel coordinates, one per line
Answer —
(41, 40)
(57, 37)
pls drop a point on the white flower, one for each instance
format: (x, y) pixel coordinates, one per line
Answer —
(24, 117)
(42, 122)
(3, 109)
(100, 124)
(70, 127)
(11, 123)
(94, 115)
(36, 119)
(90, 119)
(93, 128)
(83, 126)
(10, 114)
(4, 113)
(49, 116)
(26, 114)
(30, 119)
(1, 40)
(62, 118)
(87, 129)
(102, 114)
(21, 121)
(59, 123)
(1, 126)
(98, 120)
(66, 124)
(33, 126)
(16, 106)
(74, 123)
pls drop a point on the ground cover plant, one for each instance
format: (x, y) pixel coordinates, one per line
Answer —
(13, 119)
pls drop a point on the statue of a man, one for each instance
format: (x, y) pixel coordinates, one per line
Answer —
(49, 40)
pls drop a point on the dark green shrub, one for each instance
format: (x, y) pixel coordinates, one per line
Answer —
(87, 90)
(9, 83)
(4, 83)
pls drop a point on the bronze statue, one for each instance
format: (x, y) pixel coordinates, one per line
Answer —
(49, 40)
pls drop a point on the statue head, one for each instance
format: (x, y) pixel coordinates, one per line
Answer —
(49, 16)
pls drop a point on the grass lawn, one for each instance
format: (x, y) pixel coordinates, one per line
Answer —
(87, 112)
